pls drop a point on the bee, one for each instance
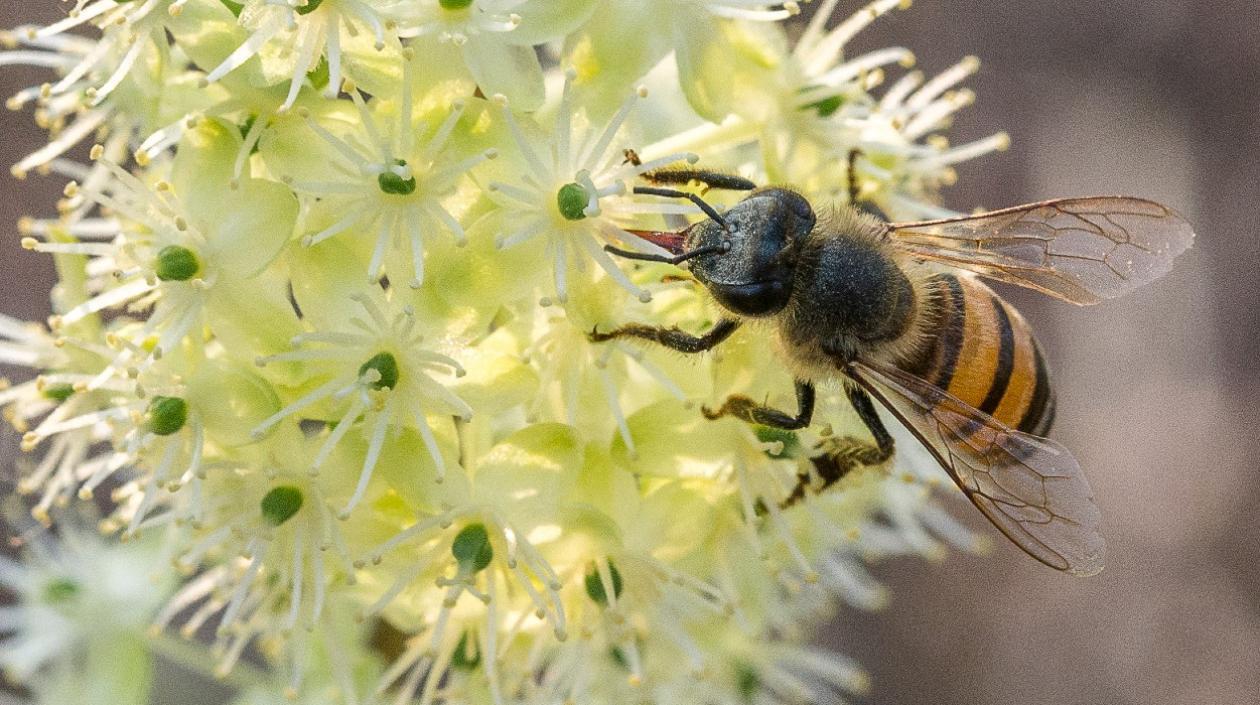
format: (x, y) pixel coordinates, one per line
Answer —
(899, 314)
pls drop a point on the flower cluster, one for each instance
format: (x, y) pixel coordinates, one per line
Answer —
(322, 331)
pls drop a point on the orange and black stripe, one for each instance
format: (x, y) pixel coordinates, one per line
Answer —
(985, 354)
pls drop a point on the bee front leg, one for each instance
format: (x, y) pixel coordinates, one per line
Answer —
(742, 407)
(711, 179)
(672, 338)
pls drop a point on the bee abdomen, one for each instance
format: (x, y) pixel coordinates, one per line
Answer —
(983, 352)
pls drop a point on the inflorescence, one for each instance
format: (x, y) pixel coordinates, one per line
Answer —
(320, 346)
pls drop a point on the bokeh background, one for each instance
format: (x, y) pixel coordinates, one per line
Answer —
(1159, 98)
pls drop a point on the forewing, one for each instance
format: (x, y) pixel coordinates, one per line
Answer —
(1081, 250)
(1030, 488)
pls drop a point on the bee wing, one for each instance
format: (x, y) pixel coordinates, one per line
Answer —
(1031, 488)
(1081, 250)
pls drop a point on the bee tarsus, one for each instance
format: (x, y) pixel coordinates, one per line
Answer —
(672, 338)
(744, 408)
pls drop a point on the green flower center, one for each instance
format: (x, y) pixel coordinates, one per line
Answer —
(58, 392)
(176, 264)
(319, 76)
(167, 415)
(595, 584)
(309, 7)
(472, 548)
(280, 504)
(60, 590)
(791, 443)
(827, 106)
(747, 682)
(394, 184)
(455, 4)
(572, 200)
(467, 655)
(385, 364)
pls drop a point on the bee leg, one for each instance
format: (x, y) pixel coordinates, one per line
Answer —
(852, 174)
(865, 408)
(840, 456)
(834, 459)
(712, 179)
(855, 196)
(672, 338)
(741, 407)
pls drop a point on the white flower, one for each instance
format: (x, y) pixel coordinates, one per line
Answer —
(275, 551)
(695, 32)
(378, 364)
(574, 193)
(309, 31)
(77, 592)
(482, 31)
(805, 110)
(131, 56)
(390, 185)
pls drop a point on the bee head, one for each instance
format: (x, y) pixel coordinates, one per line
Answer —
(754, 276)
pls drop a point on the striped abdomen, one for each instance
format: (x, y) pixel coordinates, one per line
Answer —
(985, 354)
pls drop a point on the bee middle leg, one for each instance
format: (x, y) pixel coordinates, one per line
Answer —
(840, 456)
(673, 338)
(742, 407)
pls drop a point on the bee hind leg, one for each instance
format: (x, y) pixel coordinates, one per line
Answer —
(742, 407)
(840, 456)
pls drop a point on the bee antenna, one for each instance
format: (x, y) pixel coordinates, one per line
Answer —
(719, 249)
(672, 193)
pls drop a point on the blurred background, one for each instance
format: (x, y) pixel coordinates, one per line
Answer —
(1157, 98)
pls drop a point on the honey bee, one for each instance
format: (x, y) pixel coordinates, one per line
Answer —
(898, 313)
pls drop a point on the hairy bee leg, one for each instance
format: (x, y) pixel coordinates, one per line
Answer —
(843, 455)
(741, 407)
(672, 338)
(835, 458)
(712, 179)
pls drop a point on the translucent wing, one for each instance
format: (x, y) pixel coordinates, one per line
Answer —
(1030, 488)
(1081, 250)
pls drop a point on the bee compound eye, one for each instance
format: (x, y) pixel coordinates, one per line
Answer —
(760, 298)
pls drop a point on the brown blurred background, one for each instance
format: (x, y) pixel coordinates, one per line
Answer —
(1159, 98)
